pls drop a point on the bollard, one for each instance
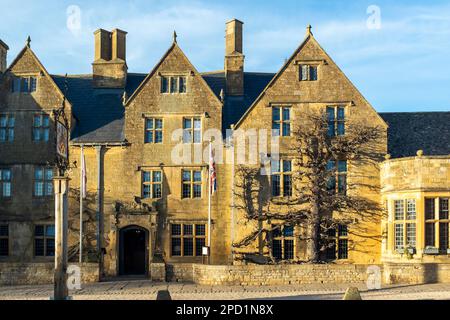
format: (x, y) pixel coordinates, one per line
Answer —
(163, 295)
(352, 293)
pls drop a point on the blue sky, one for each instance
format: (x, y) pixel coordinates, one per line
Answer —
(403, 66)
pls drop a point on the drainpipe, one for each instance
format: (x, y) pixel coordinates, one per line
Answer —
(100, 228)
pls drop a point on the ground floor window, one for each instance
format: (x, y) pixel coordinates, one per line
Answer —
(187, 240)
(437, 224)
(337, 248)
(404, 224)
(4, 240)
(44, 240)
(282, 242)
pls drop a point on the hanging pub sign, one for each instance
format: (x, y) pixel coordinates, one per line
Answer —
(62, 140)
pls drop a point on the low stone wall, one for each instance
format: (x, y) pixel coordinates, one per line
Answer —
(40, 273)
(180, 272)
(414, 273)
(255, 275)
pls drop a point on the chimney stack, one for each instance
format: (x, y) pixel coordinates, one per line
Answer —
(3, 53)
(109, 68)
(234, 58)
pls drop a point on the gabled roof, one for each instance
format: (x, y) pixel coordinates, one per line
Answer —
(4, 45)
(151, 74)
(309, 37)
(413, 131)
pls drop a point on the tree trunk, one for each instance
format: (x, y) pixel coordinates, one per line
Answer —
(313, 249)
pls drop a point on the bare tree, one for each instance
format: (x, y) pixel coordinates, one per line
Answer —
(321, 199)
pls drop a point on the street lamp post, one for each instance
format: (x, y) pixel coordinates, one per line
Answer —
(61, 189)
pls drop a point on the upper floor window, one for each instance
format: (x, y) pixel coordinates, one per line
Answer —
(281, 121)
(153, 130)
(282, 242)
(173, 84)
(5, 183)
(437, 222)
(43, 182)
(152, 184)
(308, 72)
(336, 121)
(192, 184)
(187, 240)
(338, 244)
(4, 240)
(338, 179)
(41, 127)
(24, 84)
(6, 127)
(281, 174)
(404, 224)
(44, 240)
(192, 130)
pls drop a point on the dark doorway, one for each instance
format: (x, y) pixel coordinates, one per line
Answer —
(133, 251)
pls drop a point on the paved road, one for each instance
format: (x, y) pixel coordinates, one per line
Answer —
(147, 290)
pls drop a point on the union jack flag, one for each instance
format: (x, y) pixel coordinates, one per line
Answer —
(212, 172)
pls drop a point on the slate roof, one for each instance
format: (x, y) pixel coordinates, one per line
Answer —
(100, 113)
(409, 132)
(235, 107)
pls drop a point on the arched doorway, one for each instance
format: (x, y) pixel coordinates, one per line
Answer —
(133, 250)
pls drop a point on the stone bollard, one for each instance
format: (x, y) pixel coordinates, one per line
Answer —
(352, 293)
(163, 295)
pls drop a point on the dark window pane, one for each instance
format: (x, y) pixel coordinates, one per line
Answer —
(430, 234)
(286, 114)
(287, 186)
(197, 191)
(176, 229)
(50, 230)
(200, 230)
(276, 114)
(176, 247)
(313, 73)
(443, 237)
(33, 84)
(4, 230)
(343, 249)
(173, 84)
(342, 166)
(186, 176)
(443, 209)
(4, 247)
(276, 190)
(164, 85)
(186, 190)
(286, 129)
(147, 192)
(288, 231)
(50, 248)
(342, 184)
(188, 247)
(429, 209)
(188, 230)
(158, 136)
(277, 249)
(276, 231)
(276, 129)
(199, 244)
(146, 176)
(157, 193)
(39, 231)
(39, 247)
(182, 84)
(341, 113)
(287, 166)
(197, 176)
(343, 231)
(288, 249)
(330, 252)
(157, 176)
(24, 86)
(331, 114)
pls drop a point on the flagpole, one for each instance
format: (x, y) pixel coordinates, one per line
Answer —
(209, 203)
(81, 202)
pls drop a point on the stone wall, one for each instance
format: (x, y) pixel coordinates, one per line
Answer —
(413, 273)
(40, 273)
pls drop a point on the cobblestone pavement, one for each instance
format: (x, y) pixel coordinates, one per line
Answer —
(147, 290)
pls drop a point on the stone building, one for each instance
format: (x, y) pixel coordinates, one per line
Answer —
(145, 208)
